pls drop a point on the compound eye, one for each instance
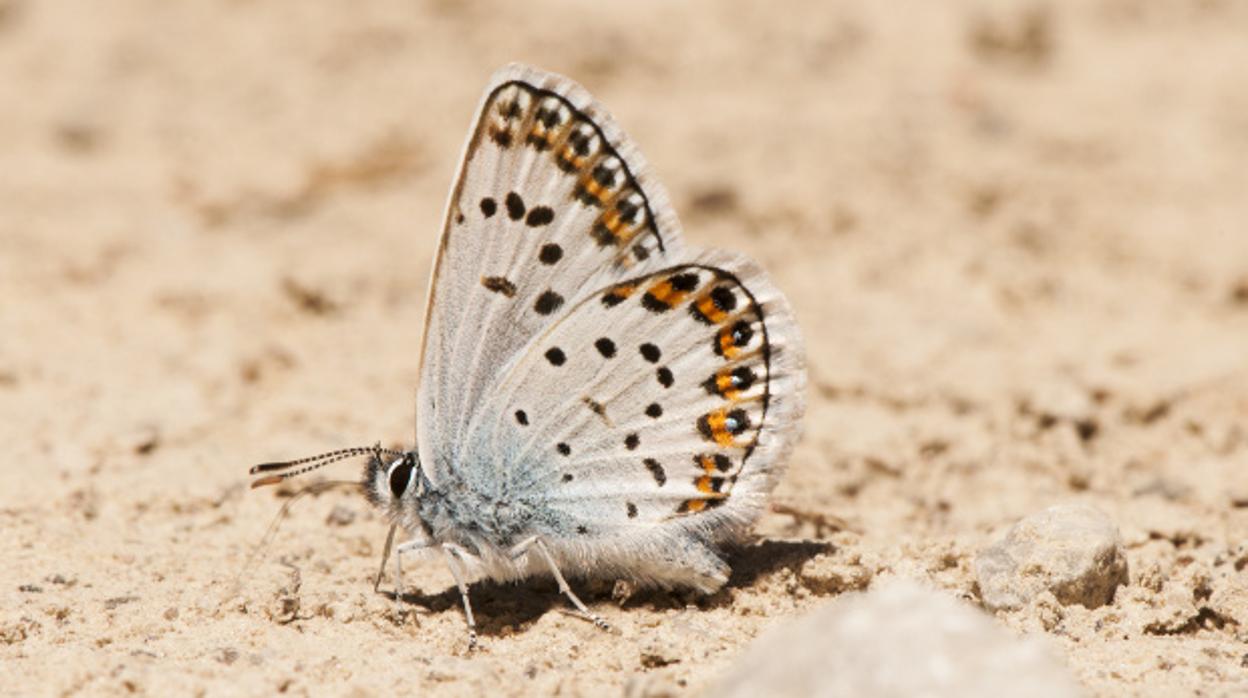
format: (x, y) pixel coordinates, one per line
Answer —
(400, 476)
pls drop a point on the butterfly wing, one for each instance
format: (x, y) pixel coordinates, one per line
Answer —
(666, 399)
(551, 201)
(584, 378)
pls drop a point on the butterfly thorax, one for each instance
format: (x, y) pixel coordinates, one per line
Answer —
(486, 521)
(455, 512)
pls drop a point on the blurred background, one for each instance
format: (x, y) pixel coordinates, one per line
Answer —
(1013, 233)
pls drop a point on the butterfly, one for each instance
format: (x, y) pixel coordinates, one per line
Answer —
(595, 399)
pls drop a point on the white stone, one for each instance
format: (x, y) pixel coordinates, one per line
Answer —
(896, 640)
(1073, 551)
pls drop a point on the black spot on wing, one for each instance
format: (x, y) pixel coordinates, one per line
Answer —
(604, 175)
(743, 377)
(548, 117)
(731, 338)
(515, 206)
(704, 428)
(509, 109)
(718, 461)
(654, 305)
(488, 207)
(541, 142)
(656, 471)
(548, 303)
(740, 378)
(628, 210)
(685, 281)
(539, 216)
(737, 421)
(602, 235)
(579, 139)
(555, 356)
(550, 253)
(499, 284)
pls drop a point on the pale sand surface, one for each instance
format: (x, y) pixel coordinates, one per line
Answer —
(1015, 236)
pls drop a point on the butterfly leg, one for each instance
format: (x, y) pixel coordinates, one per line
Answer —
(385, 556)
(454, 561)
(563, 584)
(518, 550)
(409, 546)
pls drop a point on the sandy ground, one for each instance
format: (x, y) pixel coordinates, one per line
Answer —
(1014, 235)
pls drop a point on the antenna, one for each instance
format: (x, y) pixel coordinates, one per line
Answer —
(312, 463)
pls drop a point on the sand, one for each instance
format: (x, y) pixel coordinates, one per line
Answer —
(1013, 233)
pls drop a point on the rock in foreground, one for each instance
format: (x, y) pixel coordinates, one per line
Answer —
(897, 640)
(1073, 551)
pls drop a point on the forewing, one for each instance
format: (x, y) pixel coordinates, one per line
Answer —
(550, 202)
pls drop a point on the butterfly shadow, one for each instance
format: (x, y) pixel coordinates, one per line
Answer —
(498, 607)
(749, 564)
(501, 607)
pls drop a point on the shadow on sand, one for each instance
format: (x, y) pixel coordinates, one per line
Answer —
(498, 606)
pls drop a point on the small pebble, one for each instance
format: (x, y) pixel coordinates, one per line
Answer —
(896, 640)
(1072, 551)
(340, 516)
(142, 440)
(659, 653)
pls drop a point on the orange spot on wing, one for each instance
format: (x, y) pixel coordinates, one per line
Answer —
(618, 295)
(726, 344)
(542, 137)
(663, 293)
(611, 219)
(570, 158)
(667, 294)
(718, 421)
(710, 311)
(594, 189)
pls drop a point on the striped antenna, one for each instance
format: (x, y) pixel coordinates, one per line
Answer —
(293, 468)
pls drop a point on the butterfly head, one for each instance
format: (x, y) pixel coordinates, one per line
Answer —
(391, 478)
